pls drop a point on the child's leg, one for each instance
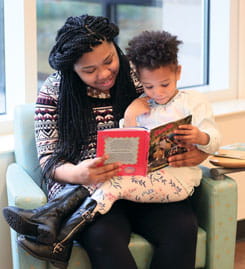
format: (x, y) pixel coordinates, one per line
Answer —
(157, 187)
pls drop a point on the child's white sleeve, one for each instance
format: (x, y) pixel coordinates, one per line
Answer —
(203, 118)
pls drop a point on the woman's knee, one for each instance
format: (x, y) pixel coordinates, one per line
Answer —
(102, 239)
(108, 248)
(106, 230)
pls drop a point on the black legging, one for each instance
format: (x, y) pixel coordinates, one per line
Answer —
(170, 227)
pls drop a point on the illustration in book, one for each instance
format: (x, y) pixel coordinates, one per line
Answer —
(139, 150)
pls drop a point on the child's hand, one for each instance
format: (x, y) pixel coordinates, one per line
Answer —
(138, 107)
(190, 134)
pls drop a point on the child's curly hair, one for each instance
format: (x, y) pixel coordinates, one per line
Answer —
(153, 49)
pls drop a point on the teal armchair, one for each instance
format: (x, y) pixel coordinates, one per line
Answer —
(215, 203)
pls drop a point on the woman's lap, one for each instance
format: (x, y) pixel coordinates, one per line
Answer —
(171, 228)
(106, 239)
(173, 233)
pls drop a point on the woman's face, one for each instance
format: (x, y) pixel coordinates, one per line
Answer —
(99, 67)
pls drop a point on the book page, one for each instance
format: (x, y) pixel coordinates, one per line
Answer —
(122, 149)
(163, 144)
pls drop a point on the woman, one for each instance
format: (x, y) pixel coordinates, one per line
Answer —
(90, 91)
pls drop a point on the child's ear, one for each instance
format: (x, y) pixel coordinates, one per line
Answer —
(178, 72)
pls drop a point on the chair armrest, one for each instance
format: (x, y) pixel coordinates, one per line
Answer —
(215, 203)
(219, 172)
(22, 191)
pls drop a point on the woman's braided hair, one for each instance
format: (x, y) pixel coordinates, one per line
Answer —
(77, 36)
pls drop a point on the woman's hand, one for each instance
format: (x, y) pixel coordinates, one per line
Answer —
(192, 157)
(87, 172)
(93, 171)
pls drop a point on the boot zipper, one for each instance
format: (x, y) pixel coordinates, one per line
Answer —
(59, 246)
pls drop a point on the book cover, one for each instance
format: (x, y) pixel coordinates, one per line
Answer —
(235, 151)
(140, 150)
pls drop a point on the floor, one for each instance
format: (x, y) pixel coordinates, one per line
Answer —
(240, 255)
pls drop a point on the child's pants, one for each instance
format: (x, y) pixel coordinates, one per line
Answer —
(156, 187)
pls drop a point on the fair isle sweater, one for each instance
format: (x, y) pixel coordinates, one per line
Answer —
(46, 133)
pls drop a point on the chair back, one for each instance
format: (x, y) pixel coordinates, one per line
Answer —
(24, 140)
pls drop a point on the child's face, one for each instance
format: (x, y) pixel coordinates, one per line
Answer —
(160, 84)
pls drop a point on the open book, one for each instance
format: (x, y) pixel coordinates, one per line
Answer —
(234, 151)
(140, 150)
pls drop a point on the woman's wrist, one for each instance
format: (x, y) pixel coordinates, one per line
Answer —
(66, 173)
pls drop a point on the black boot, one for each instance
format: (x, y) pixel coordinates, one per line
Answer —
(45, 252)
(59, 252)
(44, 222)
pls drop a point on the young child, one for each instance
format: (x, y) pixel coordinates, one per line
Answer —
(155, 58)
(154, 55)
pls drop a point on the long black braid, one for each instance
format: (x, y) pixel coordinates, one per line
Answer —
(79, 35)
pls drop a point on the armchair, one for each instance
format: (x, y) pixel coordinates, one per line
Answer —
(215, 203)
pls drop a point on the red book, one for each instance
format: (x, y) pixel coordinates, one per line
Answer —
(140, 150)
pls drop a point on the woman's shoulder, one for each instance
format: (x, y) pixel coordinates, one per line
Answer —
(53, 80)
(51, 85)
(137, 83)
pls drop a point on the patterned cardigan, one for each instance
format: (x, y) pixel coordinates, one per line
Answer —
(46, 133)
